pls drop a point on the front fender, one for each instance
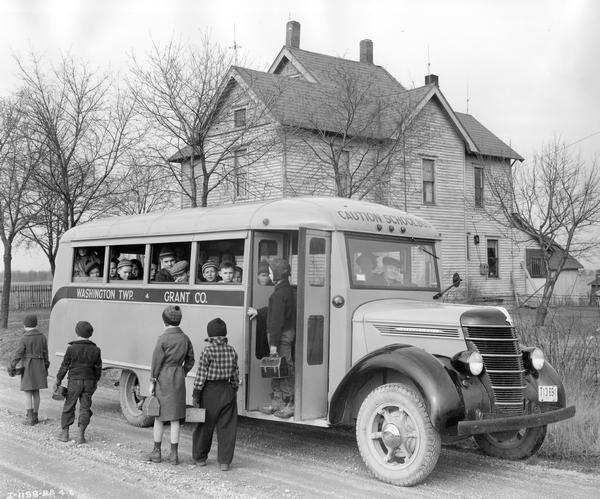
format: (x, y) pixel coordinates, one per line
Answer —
(546, 376)
(444, 404)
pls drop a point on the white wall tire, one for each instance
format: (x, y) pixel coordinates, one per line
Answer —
(131, 400)
(395, 437)
(514, 445)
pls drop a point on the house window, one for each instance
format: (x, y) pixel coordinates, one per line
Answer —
(240, 174)
(535, 263)
(239, 117)
(344, 172)
(492, 257)
(478, 186)
(428, 181)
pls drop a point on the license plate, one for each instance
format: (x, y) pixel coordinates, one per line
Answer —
(548, 393)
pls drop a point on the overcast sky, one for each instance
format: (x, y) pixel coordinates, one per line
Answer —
(530, 69)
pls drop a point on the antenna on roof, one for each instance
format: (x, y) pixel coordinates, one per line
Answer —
(235, 47)
(428, 61)
(467, 97)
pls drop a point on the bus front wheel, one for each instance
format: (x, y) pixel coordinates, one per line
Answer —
(132, 400)
(395, 436)
(512, 445)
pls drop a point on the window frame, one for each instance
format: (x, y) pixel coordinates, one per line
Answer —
(496, 264)
(429, 182)
(239, 117)
(478, 190)
(535, 255)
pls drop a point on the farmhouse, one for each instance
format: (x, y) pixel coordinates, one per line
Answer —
(314, 124)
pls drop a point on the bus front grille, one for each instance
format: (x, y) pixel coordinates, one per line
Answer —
(503, 363)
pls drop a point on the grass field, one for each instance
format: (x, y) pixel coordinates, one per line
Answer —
(570, 341)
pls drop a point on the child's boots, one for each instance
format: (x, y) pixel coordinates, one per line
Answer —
(155, 456)
(63, 436)
(29, 421)
(81, 435)
(174, 456)
(35, 417)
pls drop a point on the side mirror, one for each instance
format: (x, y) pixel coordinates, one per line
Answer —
(456, 280)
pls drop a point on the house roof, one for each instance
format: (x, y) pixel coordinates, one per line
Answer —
(487, 143)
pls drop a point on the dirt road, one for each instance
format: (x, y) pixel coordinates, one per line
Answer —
(271, 460)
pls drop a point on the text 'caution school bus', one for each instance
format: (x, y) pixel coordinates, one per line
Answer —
(373, 348)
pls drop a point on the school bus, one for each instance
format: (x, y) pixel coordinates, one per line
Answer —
(376, 347)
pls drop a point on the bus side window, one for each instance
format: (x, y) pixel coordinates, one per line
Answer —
(316, 262)
(126, 262)
(88, 263)
(172, 261)
(220, 261)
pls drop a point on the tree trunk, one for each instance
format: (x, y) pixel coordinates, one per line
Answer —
(5, 302)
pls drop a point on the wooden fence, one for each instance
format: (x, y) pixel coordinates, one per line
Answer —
(27, 295)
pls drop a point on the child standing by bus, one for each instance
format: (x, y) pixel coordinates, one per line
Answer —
(83, 362)
(215, 388)
(33, 354)
(172, 359)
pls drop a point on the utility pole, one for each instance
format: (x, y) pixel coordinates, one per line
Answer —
(235, 47)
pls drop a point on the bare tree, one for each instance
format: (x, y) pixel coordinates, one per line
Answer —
(178, 88)
(18, 159)
(554, 202)
(357, 134)
(83, 120)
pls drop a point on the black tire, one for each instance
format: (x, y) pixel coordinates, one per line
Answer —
(513, 445)
(395, 436)
(131, 400)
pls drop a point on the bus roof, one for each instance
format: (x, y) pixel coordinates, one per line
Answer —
(284, 214)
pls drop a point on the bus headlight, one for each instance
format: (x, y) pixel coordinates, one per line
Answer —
(468, 362)
(533, 358)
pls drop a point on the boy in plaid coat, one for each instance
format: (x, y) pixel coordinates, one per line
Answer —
(215, 389)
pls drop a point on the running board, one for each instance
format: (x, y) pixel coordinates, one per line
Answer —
(322, 422)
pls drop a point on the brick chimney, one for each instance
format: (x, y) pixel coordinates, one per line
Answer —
(366, 51)
(431, 79)
(292, 34)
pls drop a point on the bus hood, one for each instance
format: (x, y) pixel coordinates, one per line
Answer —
(428, 314)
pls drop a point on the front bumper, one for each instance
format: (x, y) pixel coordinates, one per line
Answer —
(515, 422)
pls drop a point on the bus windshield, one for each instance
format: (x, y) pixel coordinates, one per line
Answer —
(391, 263)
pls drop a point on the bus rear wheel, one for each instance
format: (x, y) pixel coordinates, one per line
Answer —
(513, 445)
(132, 400)
(395, 436)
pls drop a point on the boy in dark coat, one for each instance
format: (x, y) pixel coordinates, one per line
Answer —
(32, 352)
(215, 389)
(83, 362)
(172, 359)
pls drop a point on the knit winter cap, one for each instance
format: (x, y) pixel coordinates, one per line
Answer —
(180, 267)
(209, 264)
(124, 263)
(216, 327)
(281, 269)
(84, 329)
(30, 320)
(263, 267)
(172, 315)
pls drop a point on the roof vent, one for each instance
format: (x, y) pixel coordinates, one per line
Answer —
(431, 79)
(366, 51)
(292, 34)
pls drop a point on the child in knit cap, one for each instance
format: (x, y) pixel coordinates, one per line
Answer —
(83, 362)
(32, 352)
(215, 389)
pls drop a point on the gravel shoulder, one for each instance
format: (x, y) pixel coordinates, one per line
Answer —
(271, 460)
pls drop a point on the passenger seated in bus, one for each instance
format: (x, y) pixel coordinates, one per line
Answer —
(392, 275)
(167, 259)
(367, 262)
(226, 272)
(124, 270)
(210, 271)
(153, 270)
(112, 273)
(136, 269)
(180, 272)
(237, 274)
(93, 271)
(83, 258)
(228, 257)
(263, 276)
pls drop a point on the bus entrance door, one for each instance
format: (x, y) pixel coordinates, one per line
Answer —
(266, 247)
(312, 331)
